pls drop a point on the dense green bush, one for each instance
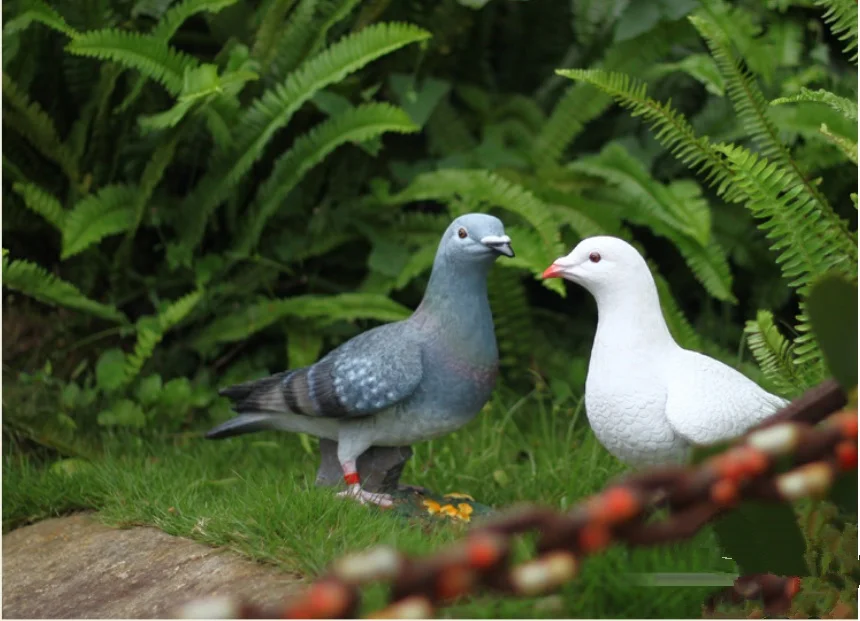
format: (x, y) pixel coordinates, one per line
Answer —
(212, 190)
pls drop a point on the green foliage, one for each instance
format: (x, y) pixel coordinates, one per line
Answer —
(33, 280)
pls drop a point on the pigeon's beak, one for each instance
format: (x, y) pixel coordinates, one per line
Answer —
(553, 271)
(499, 243)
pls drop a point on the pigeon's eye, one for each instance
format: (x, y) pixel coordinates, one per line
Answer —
(594, 257)
(462, 233)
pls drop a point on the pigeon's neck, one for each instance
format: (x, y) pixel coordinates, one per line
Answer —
(629, 318)
(456, 307)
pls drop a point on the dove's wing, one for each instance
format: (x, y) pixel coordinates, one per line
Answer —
(369, 373)
(709, 402)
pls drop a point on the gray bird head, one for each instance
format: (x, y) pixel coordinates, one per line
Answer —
(475, 237)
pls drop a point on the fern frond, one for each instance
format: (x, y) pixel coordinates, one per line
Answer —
(151, 330)
(841, 16)
(808, 246)
(294, 41)
(353, 125)
(447, 132)
(746, 96)
(30, 121)
(493, 190)
(848, 147)
(843, 105)
(171, 21)
(34, 281)
(41, 202)
(42, 13)
(270, 28)
(241, 324)
(96, 216)
(676, 211)
(774, 353)
(679, 326)
(581, 103)
(670, 127)
(276, 107)
(152, 56)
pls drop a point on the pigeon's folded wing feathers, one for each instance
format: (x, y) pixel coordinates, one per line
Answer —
(710, 402)
(369, 373)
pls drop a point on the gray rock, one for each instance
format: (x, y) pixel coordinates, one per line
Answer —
(74, 567)
(379, 467)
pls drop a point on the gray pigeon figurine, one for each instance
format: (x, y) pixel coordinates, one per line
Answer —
(398, 383)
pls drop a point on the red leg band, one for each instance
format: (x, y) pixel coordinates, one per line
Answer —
(351, 478)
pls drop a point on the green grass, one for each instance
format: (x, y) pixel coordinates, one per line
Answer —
(255, 495)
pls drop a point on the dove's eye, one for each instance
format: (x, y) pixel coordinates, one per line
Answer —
(462, 233)
(594, 257)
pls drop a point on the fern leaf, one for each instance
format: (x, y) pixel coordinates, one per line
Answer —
(807, 245)
(848, 147)
(843, 105)
(171, 21)
(841, 16)
(28, 119)
(486, 187)
(145, 53)
(96, 216)
(294, 41)
(680, 328)
(241, 324)
(512, 318)
(744, 92)
(581, 103)
(42, 13)
(670, 127)
(42, 203)
(353, 125)
(276, 107)
(34, 281)
(150, 331)
(270, 28)
(774, 353)
(676, 211)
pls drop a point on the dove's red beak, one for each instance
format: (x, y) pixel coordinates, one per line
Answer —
(553, 271)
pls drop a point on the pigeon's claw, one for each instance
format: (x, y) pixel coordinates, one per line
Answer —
(364, 497)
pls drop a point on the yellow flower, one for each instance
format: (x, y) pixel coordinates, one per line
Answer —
(432, 506)
(449, 510)
(465, 511)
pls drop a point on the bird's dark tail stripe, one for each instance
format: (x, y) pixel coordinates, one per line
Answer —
(242, 424)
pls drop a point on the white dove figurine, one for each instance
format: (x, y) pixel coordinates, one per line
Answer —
(647, 399)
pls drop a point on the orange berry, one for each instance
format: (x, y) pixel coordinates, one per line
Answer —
(846, 455)
(482, 551)
(755, 462)
(615, 505)
(724, 492)
(594, 537)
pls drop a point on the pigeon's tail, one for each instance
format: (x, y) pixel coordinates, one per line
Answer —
(242, 424)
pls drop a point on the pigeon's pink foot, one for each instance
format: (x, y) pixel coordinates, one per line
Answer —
(364, 497)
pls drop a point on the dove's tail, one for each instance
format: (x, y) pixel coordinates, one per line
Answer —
(244, 423)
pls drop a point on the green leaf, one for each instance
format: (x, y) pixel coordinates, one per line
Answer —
(152, 56)
(124, 413)
(38, 11)
(33, 280)
(832, 310)
(176, 394)
(97, 216)
(418, 102)
(847, 107)
(241, 324)
(149, 389)
(763, 538)
(41, 202)
(356, 124)
(700, 67)
(110, 370)
(277, 106)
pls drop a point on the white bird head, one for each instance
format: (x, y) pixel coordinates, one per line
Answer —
(601, 264)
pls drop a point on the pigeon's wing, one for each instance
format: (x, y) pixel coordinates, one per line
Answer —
(369, 373)
(710, 402)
